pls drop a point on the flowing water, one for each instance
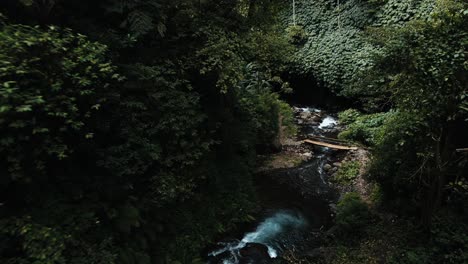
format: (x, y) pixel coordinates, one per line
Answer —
(273, 232)
(328, 122)
(290, 216)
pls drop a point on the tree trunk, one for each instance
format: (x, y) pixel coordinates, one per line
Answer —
(437, 176)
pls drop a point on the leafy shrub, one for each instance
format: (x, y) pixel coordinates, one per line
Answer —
(264, 107)
(448, 243)
(395, 12)
(287, 119)
(296, 34)
(348, 116)
(347, 172)
(396, 157)
(41, 244)
(157, 144)
(352, 214)
(422, 67)
(52, 85)
(367, 129)
(337, 47)
(376, 194)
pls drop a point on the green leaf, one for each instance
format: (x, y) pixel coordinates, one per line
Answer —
(27, 2)
(24, 108)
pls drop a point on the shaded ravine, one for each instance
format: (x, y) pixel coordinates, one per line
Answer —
(295, 201)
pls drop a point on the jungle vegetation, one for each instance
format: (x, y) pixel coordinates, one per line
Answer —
(129, 129)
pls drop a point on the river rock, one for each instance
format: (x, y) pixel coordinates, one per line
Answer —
(327, 167)
(337, 164)
(254, 253)
(316, 118)
(305, 115)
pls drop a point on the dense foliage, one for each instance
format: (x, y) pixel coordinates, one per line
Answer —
(404, 63)
(409, 60)
(352, 214)
(337, 48)
(347, 172)
(129, 128)
(364, 128)
(426, 82)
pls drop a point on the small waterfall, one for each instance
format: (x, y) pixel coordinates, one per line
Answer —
(267, 233)
(328, 122)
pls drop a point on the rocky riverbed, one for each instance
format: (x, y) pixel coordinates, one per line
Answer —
(297, 194)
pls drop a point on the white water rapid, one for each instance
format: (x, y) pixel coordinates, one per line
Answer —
(266, 233)
(328, 122)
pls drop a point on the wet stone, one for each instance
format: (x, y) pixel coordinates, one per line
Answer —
(305, 115)
(337, 164)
